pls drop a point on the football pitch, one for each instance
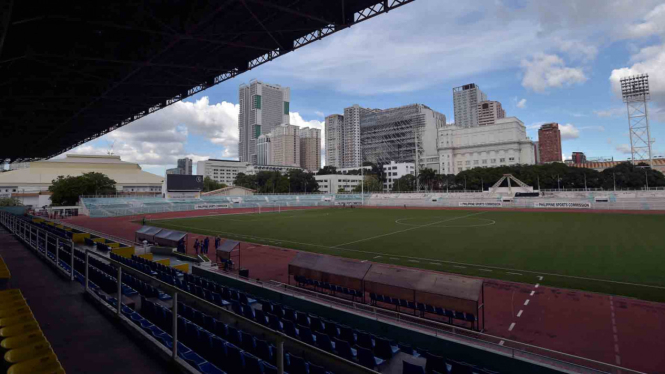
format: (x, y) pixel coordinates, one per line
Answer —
(619, 254)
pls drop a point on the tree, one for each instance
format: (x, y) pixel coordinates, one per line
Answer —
(244, 180)
(406, 183)
(327, 170)
(300, 181)
(370, 184)
(66, 190)
(10, 201)
(426, 178)
(210, 184)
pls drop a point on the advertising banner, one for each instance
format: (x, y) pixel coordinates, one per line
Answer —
(562, 204)
(210, 206)
(347, 203)
(481, 204)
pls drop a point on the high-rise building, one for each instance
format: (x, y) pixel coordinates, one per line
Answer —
(285, 145)
(186, 165)
(177, 171)
(504, 143)
(310, 149)
(403, 134)
(549, 143)
(334, 140)
(578, 158)
(489, 112)
(263, 106)
(465, 100)
(351, 152)
(263, 150)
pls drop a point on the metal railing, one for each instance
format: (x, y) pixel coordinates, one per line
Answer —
(34, 236)
(514, 349)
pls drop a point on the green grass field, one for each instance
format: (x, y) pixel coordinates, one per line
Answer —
(608, 250)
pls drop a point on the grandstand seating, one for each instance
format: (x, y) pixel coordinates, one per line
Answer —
(26, 349)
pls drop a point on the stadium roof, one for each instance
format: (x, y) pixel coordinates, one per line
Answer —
(73, 71)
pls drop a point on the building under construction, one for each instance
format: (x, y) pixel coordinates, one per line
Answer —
(403, 134)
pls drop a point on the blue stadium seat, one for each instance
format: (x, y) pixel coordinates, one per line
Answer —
(323, 341)
(315, 324)
(209, 368)
(296, 365)
(434, 363)
(366, 358)
(234, 359)
(290, 328)
(260, 317)
(305, 335)
(246, 341)
(263, 350)
(252, 364)
(408, 368)
(343, 349)
(365, 340)
(268, 369)
(233, 335)
(384, 349)
(315, 369)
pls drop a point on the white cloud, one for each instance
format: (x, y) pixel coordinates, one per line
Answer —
(577, 50)
(623, 148)
(592, 128)
(649, 60)
(521, 104)
(569, 131)
(653, 24)
(320, 114)
(613, 112)
(546, 71)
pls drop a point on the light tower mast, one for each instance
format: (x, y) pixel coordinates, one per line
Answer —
(635, 93)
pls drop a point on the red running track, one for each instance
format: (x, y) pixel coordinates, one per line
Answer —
(611, 329)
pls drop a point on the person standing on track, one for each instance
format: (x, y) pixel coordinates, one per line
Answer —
(196, 246)
(206, 243)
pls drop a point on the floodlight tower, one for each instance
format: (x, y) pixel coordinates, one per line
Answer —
(635, 93)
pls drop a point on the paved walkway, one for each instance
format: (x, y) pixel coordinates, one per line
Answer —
(84, 340)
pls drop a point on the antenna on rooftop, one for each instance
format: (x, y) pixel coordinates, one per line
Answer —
(110, 149)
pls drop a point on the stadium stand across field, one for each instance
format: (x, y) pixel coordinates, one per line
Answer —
(209, 322)
(609, 200)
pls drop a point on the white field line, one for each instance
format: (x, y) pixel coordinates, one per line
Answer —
(512, 325)
(409, 229)
(460, 265)
(519, 314)
(526, 302)
(532, 293)
(230, 214)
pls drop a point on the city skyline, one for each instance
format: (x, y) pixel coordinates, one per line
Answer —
(544, 68)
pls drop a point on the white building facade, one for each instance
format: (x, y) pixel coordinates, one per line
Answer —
(351, 151)
(394, 171)
(334, 139)
(333, 183)
(222, 171)
(465, 101)
(263, 106)
(504, 143)
(310, 149)
(263, 150)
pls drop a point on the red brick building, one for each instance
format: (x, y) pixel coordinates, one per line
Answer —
(578, 158)
(549, 143)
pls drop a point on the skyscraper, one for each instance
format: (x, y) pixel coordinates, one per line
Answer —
(351, 153)
(465, 100)
(310, 149)
(489, 112)
(549, 143)
(285, 145)
(263, 106)
(334, 140)
(186, 165)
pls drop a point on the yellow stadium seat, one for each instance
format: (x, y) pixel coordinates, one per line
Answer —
(11, 291)
(13, 305)
(11, 321)
(14, 311)
(28, 352)
(10, 297)
(43, 364)
(22, 340)
(58, 370)
(20, 329)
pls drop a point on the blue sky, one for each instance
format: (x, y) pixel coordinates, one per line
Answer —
(544, 61)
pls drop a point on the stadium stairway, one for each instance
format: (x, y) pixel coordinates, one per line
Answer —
(84, 340)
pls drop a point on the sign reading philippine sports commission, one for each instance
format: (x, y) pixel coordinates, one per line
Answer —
(562, 205)
(210, 206)
(481, 204)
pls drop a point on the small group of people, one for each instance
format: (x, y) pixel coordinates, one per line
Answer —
(205, 244)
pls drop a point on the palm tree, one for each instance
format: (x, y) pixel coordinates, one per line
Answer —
(426, 177)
